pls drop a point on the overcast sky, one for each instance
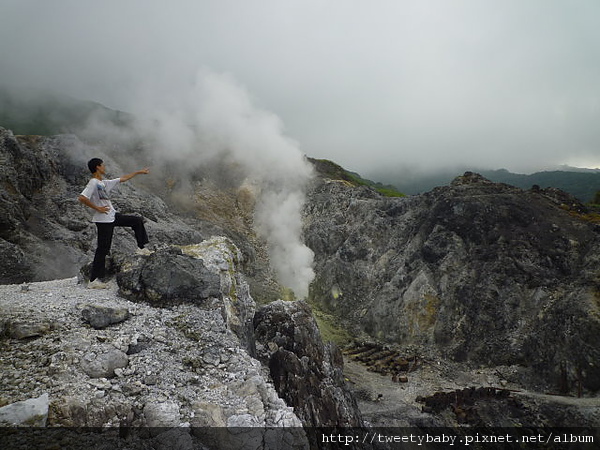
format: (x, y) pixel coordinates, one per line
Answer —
(395, 84)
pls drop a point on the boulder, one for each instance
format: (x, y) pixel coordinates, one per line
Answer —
(26, 413)
(26, 328)
(102, 316)
(102, 362)
(168, 276)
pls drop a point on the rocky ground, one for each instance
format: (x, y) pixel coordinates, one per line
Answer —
(483, 397)
(182, 367)
(91, 358)
(151, 356)
(173, 341)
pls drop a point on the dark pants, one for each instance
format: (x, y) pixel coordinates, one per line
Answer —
(105, 235)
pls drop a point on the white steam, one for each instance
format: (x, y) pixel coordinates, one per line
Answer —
(279, 220)
(214, 118)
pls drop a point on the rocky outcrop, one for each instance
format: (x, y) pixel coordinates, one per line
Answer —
(111, 362)
(194, 274)
(175, 361)
(477, 271)
(307, 373)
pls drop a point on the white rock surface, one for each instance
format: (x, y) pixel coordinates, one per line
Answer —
(32, 412)
(170, 367)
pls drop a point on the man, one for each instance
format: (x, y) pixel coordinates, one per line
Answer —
(96, 195)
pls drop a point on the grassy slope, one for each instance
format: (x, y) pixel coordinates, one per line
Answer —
(331, 170)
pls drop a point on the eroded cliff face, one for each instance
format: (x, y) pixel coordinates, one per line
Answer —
(289, 343)
(45, 233)
(481, 272)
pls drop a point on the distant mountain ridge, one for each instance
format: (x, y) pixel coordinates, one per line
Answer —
(583, 184)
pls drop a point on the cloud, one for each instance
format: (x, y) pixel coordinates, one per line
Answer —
(426, 83)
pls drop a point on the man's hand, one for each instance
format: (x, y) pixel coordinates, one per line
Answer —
(86, 201)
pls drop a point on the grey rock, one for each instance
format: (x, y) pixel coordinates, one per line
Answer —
(168, 276)
(16, 267)
(482, 272)
(193, 274)
(103, 362)
(208, 415)
(102, 316)
(25, 329)
(319, 396)
(26, 413)
(242, 421)
(162, 415)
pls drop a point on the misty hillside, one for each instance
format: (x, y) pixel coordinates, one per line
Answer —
(43, 113)
(582, 184)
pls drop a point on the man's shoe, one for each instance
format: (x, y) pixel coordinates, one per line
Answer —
(143, 251)
(97, 284)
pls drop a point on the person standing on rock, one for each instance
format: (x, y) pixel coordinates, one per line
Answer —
(96, 195)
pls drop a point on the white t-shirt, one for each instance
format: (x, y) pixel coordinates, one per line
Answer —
(98, 192)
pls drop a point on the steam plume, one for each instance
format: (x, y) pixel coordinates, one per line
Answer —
(214, 118)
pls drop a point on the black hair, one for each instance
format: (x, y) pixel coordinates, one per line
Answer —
(94, 163)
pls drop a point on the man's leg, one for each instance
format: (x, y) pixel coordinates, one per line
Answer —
(137, 224)
(105, 234)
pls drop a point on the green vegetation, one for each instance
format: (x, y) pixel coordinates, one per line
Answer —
(384, 189)
(329, 169)
(592, 216)
(583, 185)
(330, 327)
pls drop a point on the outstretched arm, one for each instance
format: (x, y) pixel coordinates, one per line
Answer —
(127, 177)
